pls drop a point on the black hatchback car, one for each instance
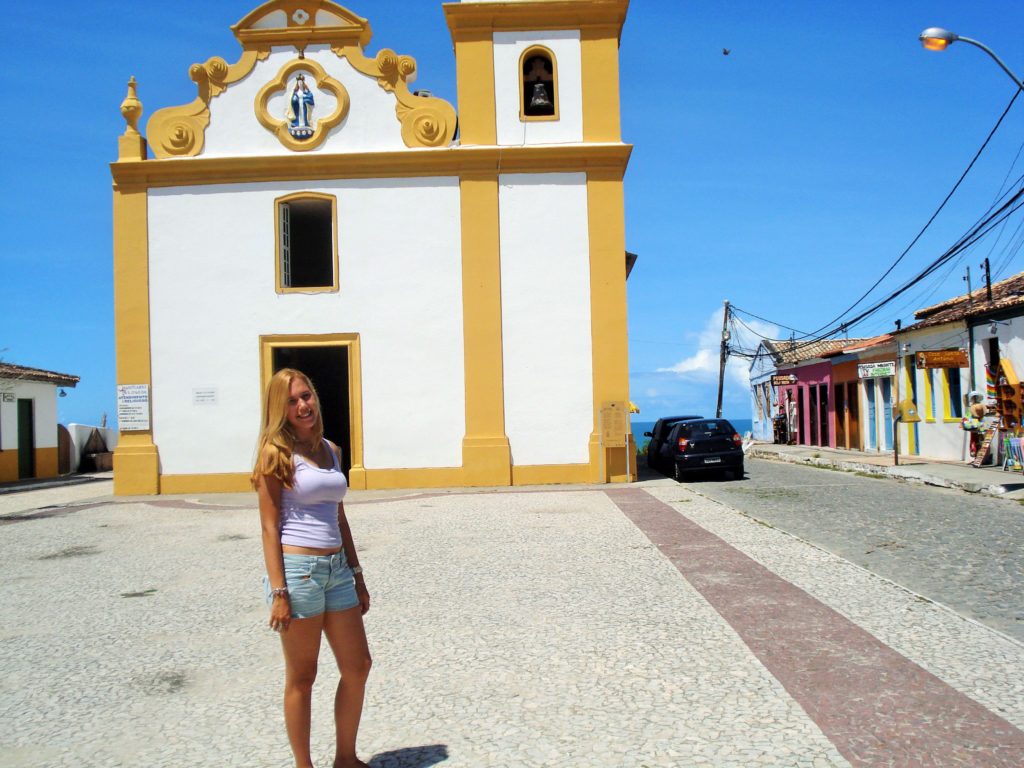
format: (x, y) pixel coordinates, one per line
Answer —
(659, 434)
(701, 445)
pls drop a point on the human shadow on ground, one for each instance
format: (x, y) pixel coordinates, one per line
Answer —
(411, 757)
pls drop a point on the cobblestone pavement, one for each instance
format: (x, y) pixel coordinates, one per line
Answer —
(509, 630)
(963, 550)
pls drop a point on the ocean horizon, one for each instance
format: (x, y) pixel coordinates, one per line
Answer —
(639, 427)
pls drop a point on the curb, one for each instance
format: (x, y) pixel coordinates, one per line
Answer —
(907, 474)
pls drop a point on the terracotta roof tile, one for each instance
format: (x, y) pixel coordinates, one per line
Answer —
(12, 371)
(789, 352)
(1005, 294)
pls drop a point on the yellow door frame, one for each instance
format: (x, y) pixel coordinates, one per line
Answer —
(350, 341)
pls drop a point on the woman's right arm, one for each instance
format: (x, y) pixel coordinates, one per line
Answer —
(268, 490)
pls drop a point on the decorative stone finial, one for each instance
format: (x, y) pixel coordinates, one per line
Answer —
(131, 109)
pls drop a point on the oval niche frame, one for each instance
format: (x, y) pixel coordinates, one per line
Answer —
(324, 125)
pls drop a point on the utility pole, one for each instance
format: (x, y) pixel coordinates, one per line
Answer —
(988, 279)
(970, 299)
(722, 357)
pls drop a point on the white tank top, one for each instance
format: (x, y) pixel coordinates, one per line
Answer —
(309, 509)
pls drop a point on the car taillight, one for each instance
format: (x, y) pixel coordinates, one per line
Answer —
(737, 439)
(683, 442)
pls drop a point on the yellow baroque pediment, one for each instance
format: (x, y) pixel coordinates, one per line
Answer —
(426, 121)
(181, 131)
(289, 130)
(301, 23)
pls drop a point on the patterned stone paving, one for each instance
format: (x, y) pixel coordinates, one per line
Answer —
(512, 629)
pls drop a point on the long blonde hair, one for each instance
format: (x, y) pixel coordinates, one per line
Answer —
(277, 442)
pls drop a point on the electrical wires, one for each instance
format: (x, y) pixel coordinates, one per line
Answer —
(975, 233)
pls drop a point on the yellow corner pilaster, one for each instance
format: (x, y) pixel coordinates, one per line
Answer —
(600, 61)
(486, 456)
(136, 463)
(607, 230)
(474, 72)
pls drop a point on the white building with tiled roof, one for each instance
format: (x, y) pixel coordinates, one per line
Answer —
(28, 421)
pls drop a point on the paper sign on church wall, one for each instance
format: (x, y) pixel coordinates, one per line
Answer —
(133, 407)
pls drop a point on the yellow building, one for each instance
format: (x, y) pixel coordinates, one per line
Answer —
(454, 283)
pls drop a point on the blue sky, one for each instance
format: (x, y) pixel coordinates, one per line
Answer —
(784, 177)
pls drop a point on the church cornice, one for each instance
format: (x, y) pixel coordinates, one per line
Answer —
(597, 17)
(606, 161)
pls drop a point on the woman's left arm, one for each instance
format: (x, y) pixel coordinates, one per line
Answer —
(350, 548)
(352, 557)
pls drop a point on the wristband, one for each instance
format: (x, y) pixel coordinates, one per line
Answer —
(279, 592)
(357, 570)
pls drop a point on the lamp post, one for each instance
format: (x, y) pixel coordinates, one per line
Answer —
(939, 39)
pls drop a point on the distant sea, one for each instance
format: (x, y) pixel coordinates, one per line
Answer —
(639, 427)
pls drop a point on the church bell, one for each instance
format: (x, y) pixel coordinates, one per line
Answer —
(540, 97)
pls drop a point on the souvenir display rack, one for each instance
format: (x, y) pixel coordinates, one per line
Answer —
(1008, 398)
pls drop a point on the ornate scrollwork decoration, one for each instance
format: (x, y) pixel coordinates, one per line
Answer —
(429, 125)
(181, 131)
(427, 121)
(282, 128)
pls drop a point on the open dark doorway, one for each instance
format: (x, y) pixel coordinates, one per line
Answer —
(327, 367)
(26, 439)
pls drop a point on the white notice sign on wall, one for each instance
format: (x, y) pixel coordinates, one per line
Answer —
(204, 396)
(133, 407)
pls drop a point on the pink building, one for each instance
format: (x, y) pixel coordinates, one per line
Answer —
(805, 398)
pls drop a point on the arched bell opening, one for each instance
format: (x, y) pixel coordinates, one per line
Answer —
(538, 84)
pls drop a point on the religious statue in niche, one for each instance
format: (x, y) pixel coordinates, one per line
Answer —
(300, 110)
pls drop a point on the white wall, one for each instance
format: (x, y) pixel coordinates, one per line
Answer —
(937, 438)
(1011, 347)
(212, 261)
(512, 130)
(545, 308)
(371, 124)
(44, 413)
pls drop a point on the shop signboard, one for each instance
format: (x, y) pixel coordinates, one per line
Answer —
(876, 370)
(783, 379)
(942, 358)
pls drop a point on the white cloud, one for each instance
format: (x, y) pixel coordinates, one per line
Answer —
(702, 366)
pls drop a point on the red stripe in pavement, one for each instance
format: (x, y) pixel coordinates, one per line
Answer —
(876, 706)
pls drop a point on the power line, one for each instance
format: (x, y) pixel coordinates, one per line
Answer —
(931, 218)
(821, 332)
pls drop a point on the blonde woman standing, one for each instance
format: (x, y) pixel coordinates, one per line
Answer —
(314, 583)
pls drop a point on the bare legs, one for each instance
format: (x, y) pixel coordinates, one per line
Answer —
(301, 644)
(347, 638)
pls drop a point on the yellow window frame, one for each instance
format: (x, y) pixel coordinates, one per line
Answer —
(278, 267)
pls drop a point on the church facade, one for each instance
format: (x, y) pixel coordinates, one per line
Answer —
(453, 283)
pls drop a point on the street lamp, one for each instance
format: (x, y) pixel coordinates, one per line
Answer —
(939, 39)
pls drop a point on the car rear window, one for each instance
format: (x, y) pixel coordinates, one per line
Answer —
(707, 427)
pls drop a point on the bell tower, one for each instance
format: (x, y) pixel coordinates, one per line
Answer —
(538, 106)
(535, 72)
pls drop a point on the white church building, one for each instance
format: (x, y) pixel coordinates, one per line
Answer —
(310, 209)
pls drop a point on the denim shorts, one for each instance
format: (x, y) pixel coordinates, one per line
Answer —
(317, 583)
